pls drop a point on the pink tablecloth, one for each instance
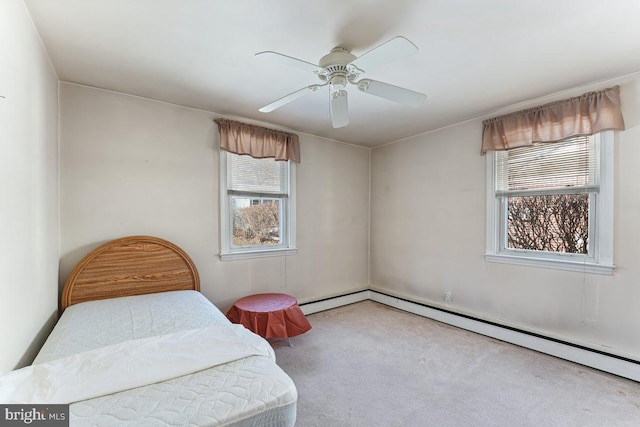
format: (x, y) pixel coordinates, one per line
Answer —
(270, 315)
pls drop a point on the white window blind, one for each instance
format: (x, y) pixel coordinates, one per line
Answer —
(568, 166)
(246, 174)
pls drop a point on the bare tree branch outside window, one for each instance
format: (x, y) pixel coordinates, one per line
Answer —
(257, 224)
(553, 223)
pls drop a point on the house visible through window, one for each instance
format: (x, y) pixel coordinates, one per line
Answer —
(257, 206)
(552, 202)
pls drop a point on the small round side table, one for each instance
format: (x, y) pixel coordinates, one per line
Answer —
(270, 315)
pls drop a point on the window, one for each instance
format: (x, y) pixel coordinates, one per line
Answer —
(257, 201)
(551, 204)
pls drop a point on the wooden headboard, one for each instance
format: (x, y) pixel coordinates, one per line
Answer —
(129, 266)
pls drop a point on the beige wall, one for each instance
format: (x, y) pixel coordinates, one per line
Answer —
(428, 236)
(28, 188)
(130, 165)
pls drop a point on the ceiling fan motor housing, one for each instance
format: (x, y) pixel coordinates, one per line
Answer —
(335, 65)
(338, 56)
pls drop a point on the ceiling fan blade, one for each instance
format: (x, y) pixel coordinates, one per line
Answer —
(339, 109)
(391, 92)
(289, 60)
(392, 50)
(288, 98)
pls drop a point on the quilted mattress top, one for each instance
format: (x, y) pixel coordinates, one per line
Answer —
(250, 391)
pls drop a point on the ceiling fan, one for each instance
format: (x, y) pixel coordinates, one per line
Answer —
(340, 68)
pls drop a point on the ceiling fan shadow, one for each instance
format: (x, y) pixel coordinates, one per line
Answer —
(367, 25)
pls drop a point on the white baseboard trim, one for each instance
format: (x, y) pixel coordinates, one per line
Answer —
(335, 302)
(583, 356)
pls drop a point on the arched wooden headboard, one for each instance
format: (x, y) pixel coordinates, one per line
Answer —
(134, 265)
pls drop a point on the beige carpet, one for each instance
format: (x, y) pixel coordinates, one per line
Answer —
(367, 364)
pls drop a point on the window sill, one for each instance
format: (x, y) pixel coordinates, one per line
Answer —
(258, 254)
(584, 267)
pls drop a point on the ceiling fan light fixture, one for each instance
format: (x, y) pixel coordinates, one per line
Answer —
(340, 67)
(338, 82)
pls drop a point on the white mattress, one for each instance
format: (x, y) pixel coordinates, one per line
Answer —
(249, 392)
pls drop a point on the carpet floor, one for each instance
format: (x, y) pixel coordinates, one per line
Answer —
(367, 364)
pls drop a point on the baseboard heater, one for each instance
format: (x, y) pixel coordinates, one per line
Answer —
(603, 361)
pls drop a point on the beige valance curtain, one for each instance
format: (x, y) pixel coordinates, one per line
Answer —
(258, 142)
(583, 115)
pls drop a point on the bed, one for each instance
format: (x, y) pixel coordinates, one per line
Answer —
(140, 288)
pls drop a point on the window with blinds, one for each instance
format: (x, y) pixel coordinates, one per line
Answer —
(547, 194)
(260, 176)
(570, 165)
(257, 199)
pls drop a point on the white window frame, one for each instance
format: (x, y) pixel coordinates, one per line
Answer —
(600, 259)
(288, 234)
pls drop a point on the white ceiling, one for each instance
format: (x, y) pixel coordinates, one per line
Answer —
(475, 56)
